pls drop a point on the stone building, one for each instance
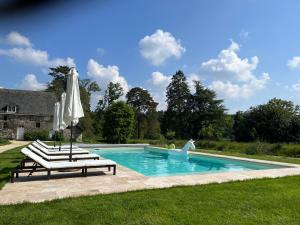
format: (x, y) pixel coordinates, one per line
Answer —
(24, 111)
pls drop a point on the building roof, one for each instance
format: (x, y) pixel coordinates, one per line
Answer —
(28, 102)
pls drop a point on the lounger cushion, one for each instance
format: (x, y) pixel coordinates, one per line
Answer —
(63, 148)
(56, 147)
(59, 150)
(102, 162)
(65, 164)
(61, 157)
(36, 158)
(46, 151)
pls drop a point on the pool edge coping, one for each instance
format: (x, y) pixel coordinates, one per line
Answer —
(236, 158)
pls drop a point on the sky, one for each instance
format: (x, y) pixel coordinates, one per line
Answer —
(246, 51)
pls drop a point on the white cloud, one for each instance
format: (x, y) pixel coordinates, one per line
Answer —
(35, 57)
(157, 87)
(30, 82)
(294, 63)
(106, 74)
(15, 38)
(160, 46)
(103, 75)
(296, 86)
(30, 55)
(160, 80)
(231, 90)
(235, 76)
(229, 64)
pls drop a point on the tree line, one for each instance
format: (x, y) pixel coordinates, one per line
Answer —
(198, 115)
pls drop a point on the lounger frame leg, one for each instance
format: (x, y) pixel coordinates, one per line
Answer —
(48, 174)
(115, 169)
(12, 176)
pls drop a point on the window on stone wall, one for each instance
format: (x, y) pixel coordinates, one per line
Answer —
(11, 109)
(5, 117)
(5, 126)
(38, 124)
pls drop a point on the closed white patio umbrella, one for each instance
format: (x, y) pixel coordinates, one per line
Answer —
(73, 109)
(61, 122)
(56, 120)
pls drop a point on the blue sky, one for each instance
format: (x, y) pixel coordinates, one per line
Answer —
(247, 51)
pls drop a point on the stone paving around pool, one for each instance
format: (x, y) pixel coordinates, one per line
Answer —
(99, 181)
(13, 144)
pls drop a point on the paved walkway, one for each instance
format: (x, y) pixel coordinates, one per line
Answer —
(37, 189)
(13, 144)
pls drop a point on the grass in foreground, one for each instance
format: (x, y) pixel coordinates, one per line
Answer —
(8, 160)
(4, 142)
(269, 201)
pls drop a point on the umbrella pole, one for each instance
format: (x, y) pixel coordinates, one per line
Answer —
(60, 144)
(54, 138)
(71, 139)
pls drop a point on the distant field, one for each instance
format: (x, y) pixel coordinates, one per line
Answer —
(251, 148)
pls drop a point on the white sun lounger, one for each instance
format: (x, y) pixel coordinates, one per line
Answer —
(56, 147)
(43, 165)
(56, 152)
(62, 157)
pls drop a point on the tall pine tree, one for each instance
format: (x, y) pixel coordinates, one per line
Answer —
(177, 114)
(207, 113)
(141, 101)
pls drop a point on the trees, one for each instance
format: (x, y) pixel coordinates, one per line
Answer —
(118, 122)
(177, 113)
(113, 92)
(58, 84)
(276, 121)
(198, 115)
(207, 117)
(243, 127)
(145, 111)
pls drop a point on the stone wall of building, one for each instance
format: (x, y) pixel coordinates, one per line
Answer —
(9, 124)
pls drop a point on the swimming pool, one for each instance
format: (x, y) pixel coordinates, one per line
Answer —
(156, 162)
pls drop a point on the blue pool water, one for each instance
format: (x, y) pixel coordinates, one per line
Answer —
(160, 163)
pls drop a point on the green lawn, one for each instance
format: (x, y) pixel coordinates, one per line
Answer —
(270, 201)
(8, 160)
(4, 142)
